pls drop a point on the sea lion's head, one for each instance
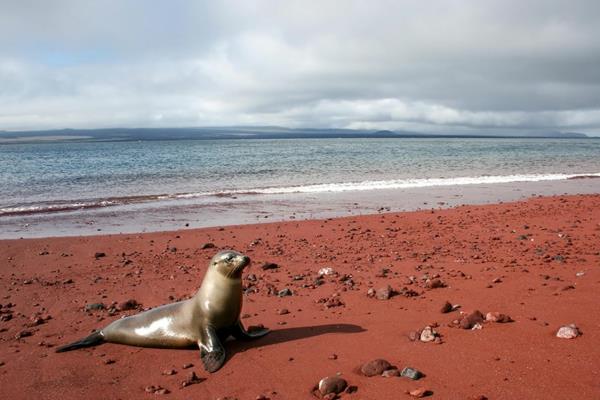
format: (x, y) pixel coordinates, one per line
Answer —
(230, 263)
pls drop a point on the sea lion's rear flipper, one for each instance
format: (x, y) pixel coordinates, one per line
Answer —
(212, 351)
(240, 333)
(92, 340)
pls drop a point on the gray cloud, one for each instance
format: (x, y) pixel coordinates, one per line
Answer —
(434, 66)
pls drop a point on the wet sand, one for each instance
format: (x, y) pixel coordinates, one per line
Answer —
(537, 261)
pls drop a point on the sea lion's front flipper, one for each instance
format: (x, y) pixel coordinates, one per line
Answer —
(240, 333)
(212, 351)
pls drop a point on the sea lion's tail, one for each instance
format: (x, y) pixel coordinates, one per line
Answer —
(92, 340)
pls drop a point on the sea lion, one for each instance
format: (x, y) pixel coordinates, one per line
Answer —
(213, 313)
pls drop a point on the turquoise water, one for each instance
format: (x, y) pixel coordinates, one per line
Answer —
(63, 176)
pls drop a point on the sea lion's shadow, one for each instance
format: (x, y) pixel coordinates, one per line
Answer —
(277, 336)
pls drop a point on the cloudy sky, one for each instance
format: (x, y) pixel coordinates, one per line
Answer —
(435, 66)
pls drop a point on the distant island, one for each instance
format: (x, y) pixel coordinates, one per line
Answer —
(265, 132)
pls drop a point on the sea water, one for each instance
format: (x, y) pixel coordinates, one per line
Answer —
(66, 178)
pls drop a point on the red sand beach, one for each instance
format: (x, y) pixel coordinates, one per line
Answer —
(537, 261)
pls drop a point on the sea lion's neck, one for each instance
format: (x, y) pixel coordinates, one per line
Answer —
(220, 297)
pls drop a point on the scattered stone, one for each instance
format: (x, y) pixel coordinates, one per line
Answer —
(375, 367)
(388, 373)
(414, 335)
(99, 254)
(284, 292)
(580, 274)
(94, 307)
(384, 293)
(371, 293)
(497, 317)
(333, 356)
(477, 327)
(420, 392)
(109, 361)
(156, 389)
(267, 266)
(427, 334)
(446, 308)
(351, 389)
(283, 311)
(130, 304)
(191, 380)
(434, 283)
(332, 384)
(568, 332)
(169, 372)
(188, 365)
(411, 373)
(326, 271)
(469, 320)
(23, 334)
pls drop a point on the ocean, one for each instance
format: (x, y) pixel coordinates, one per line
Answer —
(156, 185)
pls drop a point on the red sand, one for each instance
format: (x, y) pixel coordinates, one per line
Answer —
(535, 248)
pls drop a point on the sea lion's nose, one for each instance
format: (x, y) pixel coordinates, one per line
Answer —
(245, 260)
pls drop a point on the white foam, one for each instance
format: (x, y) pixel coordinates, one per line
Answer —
(412, 183)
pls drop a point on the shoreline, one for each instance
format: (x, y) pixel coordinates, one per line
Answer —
(535, 260)
(244, 210)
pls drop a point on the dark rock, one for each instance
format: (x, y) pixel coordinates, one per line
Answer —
(188, 365)
(283, 311)
(99, 254)
(94, 306)
(130, 304)
(375, 367)
(332, 384)
(284, 292)
(191, 380)
(468, 321)
(351, 389)
(23, 334)
(411, 373)
(207, 246)
(446, 308)
(267, 266)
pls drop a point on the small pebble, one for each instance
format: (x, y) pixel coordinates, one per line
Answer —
(268, 265)
(568, 332)
(428, 334)
(388, 373)
(411, 373)
(384, 293)
(420, 392)
(446, 308)
(332, 384)
(375, 367)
